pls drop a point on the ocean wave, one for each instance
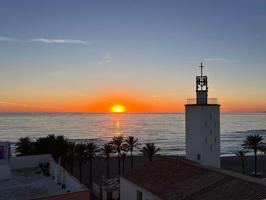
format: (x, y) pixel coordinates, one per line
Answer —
(256, 131)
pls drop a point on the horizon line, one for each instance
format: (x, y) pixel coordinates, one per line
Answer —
(138, 112)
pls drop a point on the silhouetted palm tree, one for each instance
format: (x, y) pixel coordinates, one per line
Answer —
(242, 156)
(80, 154)
(69, 158)
(24, 146)
(262, 148)
(123, 156)
(150, 150)
(132, 142)
(91, 151)
(107, 150)
(117, 143)
(60, 148)
(253, 142)
(51, 144)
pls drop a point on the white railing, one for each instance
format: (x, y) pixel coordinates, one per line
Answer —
(193, 101)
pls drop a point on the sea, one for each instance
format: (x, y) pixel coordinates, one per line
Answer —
(166, 130)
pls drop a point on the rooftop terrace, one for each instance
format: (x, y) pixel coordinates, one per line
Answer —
(28, 183)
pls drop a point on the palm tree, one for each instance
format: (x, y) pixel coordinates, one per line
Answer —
(242, 156)
(107, 150)
(60, 148)
(124, 149)
(123, 155)
(80, 153)
(91, 151)
(150, 150)
(70, 156)
(131, 141)
(117, 143)
(262, 148)
(253, 142)
(24, 146)
(51, 144)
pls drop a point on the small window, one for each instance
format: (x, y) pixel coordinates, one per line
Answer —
(198, 156)
(211, 148)
(214, 124)
(210, 131)
(205, 140)
(139, 195)
(205, 124)
(215, 140)
(210, 116)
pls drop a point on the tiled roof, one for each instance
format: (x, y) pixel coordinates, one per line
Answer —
(171, 179)
(83, 195)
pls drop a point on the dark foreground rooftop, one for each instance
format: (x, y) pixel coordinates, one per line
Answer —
(173, 178)
(25, 184)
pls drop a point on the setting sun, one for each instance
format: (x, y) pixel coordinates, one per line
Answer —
(118, 108)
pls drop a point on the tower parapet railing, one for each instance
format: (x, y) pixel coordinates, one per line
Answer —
(193, 101)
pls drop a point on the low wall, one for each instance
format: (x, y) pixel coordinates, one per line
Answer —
(28, 161)
(61, 176)
(64, 178)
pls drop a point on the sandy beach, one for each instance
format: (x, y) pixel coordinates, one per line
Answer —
(230, 163)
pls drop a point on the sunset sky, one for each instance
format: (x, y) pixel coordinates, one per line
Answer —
(87, 56)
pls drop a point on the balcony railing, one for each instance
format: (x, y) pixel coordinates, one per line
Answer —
(193, 101)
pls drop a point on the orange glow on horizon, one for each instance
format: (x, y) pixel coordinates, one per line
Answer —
(131, 101)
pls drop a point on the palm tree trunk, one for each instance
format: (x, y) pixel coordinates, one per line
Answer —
(80, 171)
(107, 167)
(243, 166)
(90, 172)
(123, 165)
(255, 161)
(150, 158)
(71, 167)
(131, 158)
(91, 184)
(118, 158)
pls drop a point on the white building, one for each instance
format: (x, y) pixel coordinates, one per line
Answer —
(203, 126)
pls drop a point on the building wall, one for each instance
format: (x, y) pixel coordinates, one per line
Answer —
(4, 160)
(28, 161)
(5, 151)
(59, 173)
(128, 191)
(203, 134)
(63, 177)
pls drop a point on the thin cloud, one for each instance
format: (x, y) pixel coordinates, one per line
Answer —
(106, 59)
(58, 74)
(22, 105)
(8, 39)
(221, 60)
(59, 41)
(45, 40)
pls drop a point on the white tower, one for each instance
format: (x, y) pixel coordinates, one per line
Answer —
(203, 126)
